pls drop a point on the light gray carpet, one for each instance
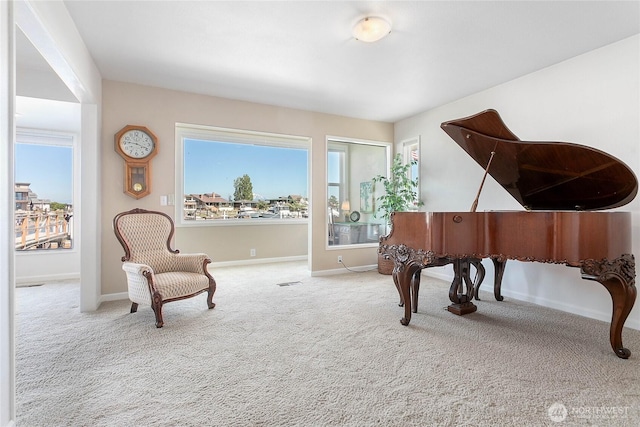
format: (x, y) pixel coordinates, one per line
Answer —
(327, 351)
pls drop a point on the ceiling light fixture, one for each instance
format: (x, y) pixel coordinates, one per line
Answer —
(371, 29)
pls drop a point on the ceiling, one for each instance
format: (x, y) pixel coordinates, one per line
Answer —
(301, 54)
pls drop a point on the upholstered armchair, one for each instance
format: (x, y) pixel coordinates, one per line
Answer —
(157, 274)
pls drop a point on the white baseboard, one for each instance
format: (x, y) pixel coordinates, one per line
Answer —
(632, 323)
(33, 280)
(437, 274)
(570, 308)
(113, 297)
(343, 270)
(254, 261)
(124, 295)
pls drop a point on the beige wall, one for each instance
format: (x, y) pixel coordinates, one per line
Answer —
(159, 110)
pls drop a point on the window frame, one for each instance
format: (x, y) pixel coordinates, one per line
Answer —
(43, 137)
(344, 172)
(230, 135)
(408, 145)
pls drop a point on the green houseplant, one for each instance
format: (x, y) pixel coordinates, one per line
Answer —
(400, 193)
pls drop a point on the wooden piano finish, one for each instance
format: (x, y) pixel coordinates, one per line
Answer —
(599, 243)
(564, 188)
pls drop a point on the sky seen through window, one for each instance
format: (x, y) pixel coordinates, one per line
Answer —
(212, 167)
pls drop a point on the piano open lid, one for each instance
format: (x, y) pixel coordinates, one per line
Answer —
(544, 175)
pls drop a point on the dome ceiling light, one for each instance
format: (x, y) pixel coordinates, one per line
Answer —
(371, 29)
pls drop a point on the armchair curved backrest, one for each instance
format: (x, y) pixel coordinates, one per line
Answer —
(146, 238)
(156, 273)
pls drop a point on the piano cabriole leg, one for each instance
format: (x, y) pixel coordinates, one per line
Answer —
(415, 289)
(618, 277)
(396, 282)
(498, 269)
(403, 276)
(623, 297)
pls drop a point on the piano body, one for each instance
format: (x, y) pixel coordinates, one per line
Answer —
(564, 189)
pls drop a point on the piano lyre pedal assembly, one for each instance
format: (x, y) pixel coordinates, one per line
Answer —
(564, 189)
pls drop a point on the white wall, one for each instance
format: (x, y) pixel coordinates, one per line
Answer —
(7, 344)
(49, 27)
(593, 100)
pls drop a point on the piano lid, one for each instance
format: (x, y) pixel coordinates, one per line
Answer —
(544, 175)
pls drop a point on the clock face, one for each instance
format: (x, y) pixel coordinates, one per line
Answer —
(136, 143)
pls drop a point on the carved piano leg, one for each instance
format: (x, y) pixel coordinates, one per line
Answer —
(395, 282)
(403, 275)
(498, 269)
(461, 300)
(618, 276)
(415, 289)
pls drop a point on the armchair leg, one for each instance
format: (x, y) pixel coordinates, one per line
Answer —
(134, 307)
(158, 312)
(210, 292)
(156, 305)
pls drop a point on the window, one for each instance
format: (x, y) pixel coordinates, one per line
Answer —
(43, 189)
(232, 177)
(351, 213)
(411, 153)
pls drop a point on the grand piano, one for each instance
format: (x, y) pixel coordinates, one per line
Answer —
(564, 189)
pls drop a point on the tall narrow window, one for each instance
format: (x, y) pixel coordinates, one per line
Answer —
(351, 210)
(411, 153)
(43, 190)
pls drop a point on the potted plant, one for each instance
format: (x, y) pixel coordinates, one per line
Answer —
(400, 194)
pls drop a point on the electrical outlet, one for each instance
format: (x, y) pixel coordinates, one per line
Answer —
(339, 259)
(252, 252)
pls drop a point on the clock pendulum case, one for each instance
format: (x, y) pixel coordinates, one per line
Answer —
(137, 145)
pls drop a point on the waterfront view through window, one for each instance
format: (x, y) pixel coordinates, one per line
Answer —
(234, 175)
(43, 189)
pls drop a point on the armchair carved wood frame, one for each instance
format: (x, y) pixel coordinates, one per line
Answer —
(157, 274)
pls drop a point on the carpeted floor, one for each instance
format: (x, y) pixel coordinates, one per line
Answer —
(320, 351)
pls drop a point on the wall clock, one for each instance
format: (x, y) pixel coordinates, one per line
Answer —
(137, 145)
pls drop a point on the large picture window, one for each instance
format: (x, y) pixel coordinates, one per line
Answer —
(351, 210)
(231, 176)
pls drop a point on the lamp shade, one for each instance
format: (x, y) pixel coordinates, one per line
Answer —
(346, 206)
(371, 29)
